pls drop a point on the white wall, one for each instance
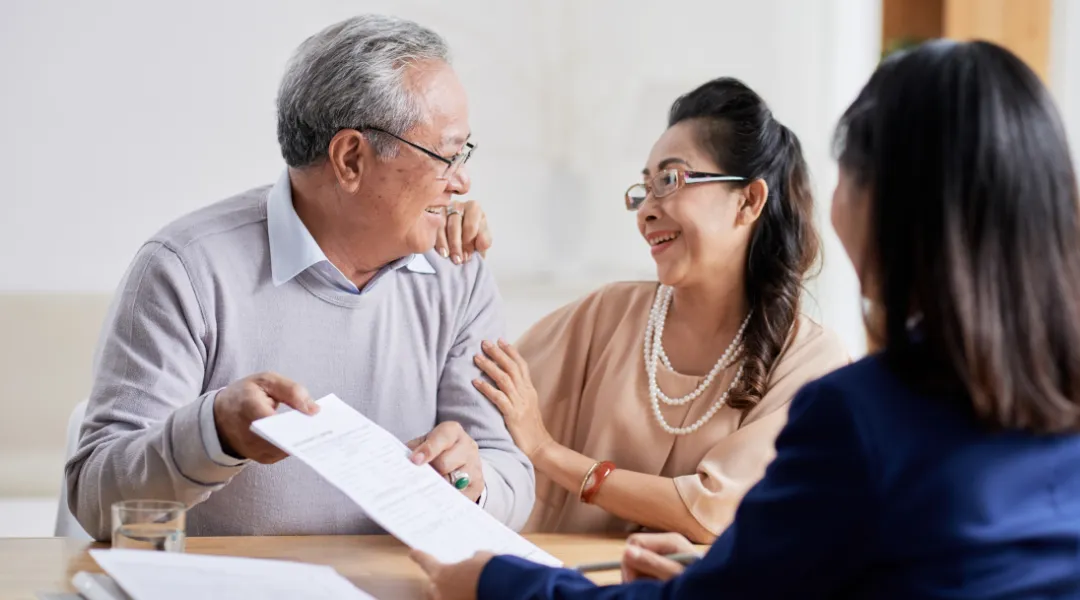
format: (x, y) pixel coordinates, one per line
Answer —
(121, 115)
(1065, 68)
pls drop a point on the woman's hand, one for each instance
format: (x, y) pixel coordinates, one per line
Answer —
(515, 396)
(466, 232)
(452, 582)
(644, 556)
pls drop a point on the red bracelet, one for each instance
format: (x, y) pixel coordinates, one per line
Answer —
(599, 474)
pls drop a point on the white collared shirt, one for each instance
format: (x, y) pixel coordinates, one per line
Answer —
(294, 250)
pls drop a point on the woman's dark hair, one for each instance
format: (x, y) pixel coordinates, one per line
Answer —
(736, 127)
(974, 231)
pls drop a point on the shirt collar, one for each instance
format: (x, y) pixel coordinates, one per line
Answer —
(293, 250)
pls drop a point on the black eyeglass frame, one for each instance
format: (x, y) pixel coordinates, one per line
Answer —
(452, 164)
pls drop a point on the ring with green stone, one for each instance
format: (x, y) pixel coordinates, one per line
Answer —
(460, 479)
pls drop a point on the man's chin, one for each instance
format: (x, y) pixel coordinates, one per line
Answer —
(421, 241)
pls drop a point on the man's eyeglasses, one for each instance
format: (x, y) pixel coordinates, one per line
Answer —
(453, 163)
(668, 182)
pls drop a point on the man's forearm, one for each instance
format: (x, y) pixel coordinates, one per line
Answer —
(166, 461)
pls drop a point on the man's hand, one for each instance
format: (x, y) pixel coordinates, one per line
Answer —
(251, 399)
(447, 449)
(466, 232)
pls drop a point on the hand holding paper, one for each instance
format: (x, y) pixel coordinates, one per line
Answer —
(372, 467)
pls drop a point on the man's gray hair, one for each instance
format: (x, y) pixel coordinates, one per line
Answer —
(351, 75)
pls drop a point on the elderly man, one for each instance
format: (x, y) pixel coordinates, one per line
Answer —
(326, 282)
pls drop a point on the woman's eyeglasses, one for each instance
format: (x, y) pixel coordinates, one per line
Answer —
(666, 183)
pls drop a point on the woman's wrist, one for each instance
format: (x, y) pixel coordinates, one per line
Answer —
(540, 454)
(595, 478)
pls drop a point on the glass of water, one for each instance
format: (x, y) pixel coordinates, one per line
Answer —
(148, 525)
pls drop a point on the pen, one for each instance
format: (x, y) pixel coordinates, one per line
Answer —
(683, 558)
(97, 587)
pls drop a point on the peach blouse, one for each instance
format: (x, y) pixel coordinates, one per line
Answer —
(588, 367)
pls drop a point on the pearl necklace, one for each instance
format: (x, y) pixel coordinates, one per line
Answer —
(654, 354)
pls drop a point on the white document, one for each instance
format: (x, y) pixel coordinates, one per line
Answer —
(372, 467)
(147, 575)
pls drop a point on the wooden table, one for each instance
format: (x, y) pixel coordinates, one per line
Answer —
(377, 564)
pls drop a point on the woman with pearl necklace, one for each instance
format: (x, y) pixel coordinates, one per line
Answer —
(655, 405)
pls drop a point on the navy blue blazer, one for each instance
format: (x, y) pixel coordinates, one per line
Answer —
(876, 492)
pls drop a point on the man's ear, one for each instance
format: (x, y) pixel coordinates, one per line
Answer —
(346, 154)
(754, 197)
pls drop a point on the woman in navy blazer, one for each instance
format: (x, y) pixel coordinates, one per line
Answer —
(948, 464)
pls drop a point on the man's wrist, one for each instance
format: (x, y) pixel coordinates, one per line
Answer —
(214, 444)
(227, 449)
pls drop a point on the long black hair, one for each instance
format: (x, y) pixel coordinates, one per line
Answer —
(975, 230)
(736, 127)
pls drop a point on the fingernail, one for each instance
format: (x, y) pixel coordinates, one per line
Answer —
(457, 259)
(503, 343)
(418, 458)
(485, 344)
(468, 255)
(476, 382)
(445, 253)
(632, 551)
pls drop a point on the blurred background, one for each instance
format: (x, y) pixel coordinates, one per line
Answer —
(117, 116)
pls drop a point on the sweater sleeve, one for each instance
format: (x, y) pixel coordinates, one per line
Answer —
(508, 474)
(141, 437)
(807, 519)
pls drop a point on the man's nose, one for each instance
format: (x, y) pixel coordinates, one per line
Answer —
(460, 182)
